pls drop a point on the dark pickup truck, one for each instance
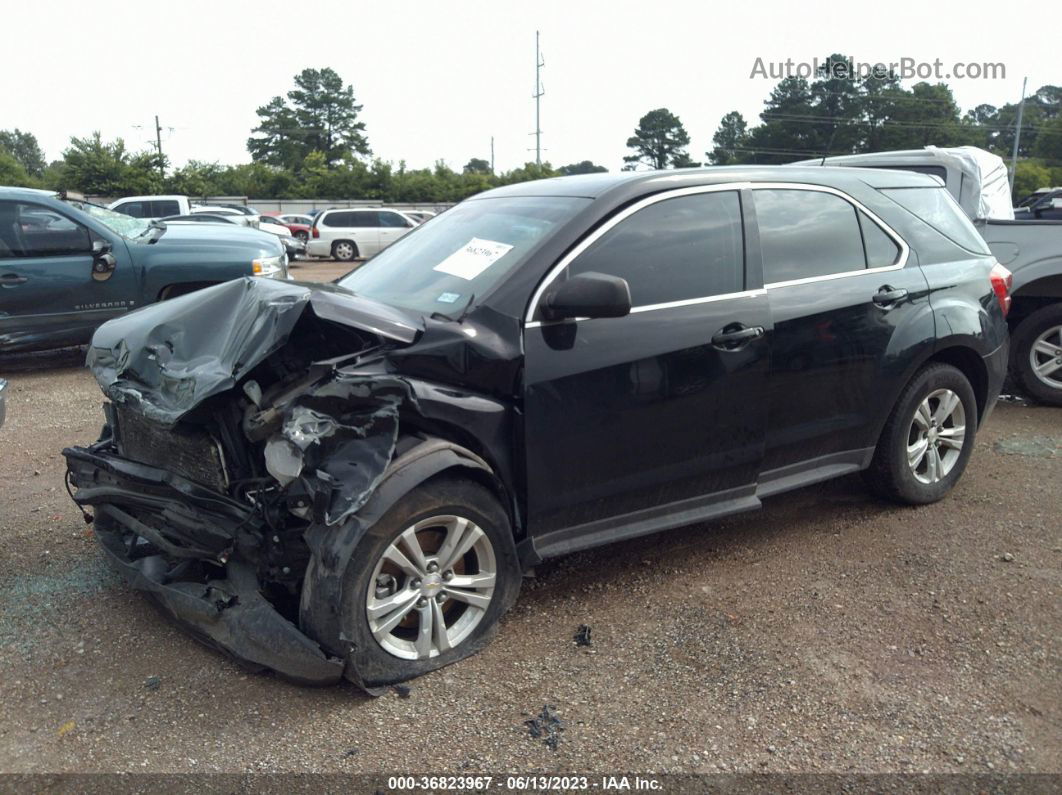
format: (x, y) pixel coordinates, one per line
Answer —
(68, 266)
(1028, 243)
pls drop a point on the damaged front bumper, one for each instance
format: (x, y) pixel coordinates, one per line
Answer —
(205, 585)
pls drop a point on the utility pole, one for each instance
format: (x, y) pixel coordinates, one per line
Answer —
(1017, 136)
(158, 145)
(492, 154)
(539, 91)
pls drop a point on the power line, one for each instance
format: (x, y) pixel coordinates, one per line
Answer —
(810, 119)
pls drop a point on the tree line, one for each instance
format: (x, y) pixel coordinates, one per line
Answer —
(310, 143)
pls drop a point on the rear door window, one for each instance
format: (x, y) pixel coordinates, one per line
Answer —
(365, 219)
(677, 249)
(164, 207)
(806, 234)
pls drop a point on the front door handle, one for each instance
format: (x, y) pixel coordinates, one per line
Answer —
(732, 338)
(888, 295)
(12, 279)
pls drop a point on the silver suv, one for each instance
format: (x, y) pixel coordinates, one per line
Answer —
(356, 234)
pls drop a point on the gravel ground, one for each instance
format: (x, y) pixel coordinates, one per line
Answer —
(829, 632)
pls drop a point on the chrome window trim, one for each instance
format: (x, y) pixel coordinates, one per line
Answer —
(592, 238)
(905, 250)
(668, 305)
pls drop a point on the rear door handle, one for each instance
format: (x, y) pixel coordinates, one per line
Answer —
(12, 279)
(731, 338)
(888, 295)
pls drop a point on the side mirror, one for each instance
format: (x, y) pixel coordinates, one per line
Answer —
(588, 295)
(103, 261)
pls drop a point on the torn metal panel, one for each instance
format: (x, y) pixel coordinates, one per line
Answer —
(227, 613)
(334, 443)
(168, 358)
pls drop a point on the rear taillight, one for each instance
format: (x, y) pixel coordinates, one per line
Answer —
(1002, 281)
(315, 231)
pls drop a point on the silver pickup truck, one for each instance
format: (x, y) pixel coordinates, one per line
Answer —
(1030, 248)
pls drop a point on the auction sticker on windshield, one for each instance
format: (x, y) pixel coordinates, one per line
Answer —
(473, 258)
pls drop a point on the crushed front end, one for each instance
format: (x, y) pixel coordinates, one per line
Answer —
(242, 421)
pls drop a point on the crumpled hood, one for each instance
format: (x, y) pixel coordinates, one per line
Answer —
(167, 358)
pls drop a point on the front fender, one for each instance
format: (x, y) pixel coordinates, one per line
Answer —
(331, 548)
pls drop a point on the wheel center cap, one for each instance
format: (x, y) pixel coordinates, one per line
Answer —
(932, 435)
(431, 585)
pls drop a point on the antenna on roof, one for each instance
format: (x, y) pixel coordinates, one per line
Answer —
(829, 146)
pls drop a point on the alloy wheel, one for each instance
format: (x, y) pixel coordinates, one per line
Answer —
(431, 587)
(936, 436)
(344, 251)
(1045, 357)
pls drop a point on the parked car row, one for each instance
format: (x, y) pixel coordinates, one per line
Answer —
(343, 234)
(156, 207)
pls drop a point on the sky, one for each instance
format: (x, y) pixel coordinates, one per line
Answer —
(438, 79)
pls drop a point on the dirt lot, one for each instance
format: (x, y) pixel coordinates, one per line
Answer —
(828, 632)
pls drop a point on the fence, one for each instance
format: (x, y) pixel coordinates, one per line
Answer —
(300, 205)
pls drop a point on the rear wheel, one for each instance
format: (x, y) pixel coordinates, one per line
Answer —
(303, 236)
(928, 439)
(344, 251)
(1036, 355)
(428, 583)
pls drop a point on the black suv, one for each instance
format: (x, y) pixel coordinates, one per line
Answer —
(348, 479)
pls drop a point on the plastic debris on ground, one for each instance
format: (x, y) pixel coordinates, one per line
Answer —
(546, 726)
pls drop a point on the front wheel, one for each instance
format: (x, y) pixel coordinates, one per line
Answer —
(1036, 358)
(928, 439)
(428, 583)
(302, 236)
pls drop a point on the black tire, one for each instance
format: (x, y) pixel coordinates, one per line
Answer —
(890, 475)
(1025, 335)
(372, 665)
(340, 256)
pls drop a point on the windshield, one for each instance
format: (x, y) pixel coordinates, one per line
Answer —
(462, 253)
(125, 225)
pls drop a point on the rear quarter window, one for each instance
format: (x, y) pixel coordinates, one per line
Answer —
(936, 207)
(165, 207)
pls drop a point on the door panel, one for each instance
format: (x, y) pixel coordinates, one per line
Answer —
(630, 413)
(392, 227)
(365, 231)
(47, 293)
(836, 361)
